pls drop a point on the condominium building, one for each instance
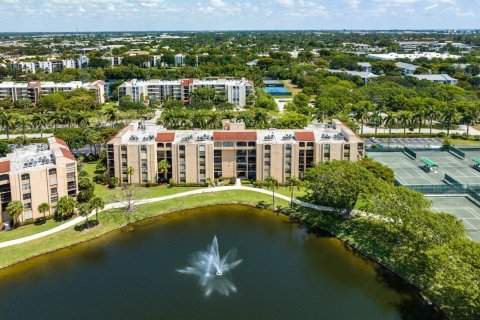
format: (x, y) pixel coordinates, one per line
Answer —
(36, 174)
(236, 91)
(437, 78)
(36, 90)
(197, 155)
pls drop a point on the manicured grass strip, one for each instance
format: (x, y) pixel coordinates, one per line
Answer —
(114, 219)
(28, 230)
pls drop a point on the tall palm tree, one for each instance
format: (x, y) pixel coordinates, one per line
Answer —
(361, 113)
(272, 183)
(418, 118)
(111, 114)
(377, 119)
(39, 121)
(56, 119)
(130, 171)
(96, 203)
(82, 119)
(8, 121)
(14, 210)
(431, 113)
(469, 117)
(390, 120)
(449, 115)
(84, 210)
(163, 167)
(44, 208)
(404, 118)
(23, 122)
(292, 183)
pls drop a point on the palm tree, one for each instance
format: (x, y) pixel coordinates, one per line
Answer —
(293, 182)
(404, 118)
(39, 121)
(130, 171)
(23, 122)
(8, 121)
(96, 203)
(469, 117)
(390, 120)
(14, 210)
(82, 120)
(272, 183)
(431, 113)
(163, 167)
(84, 210)
(449, 115)
(361, 113)
(111, 114)
(377, 119)
(44, 208)
(418, 118)
(56, 119)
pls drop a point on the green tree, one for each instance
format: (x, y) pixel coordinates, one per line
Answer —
(43, 208)
(449, 115)
(130, 172)
(293, 183)
(8, 121)
(338, 184)
(379, 170)
(272, 183)
(163, 167)
(39, 121)
(390, 121)
(84, 210)
(404, 118)
(65, 207)
(14, 210)
(96, 203)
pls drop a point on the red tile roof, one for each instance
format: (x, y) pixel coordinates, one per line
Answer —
(235, 135)
(165, 137)
(186, 82)
(5, 166)
(60, 141)
(67, 154)
(304, 136)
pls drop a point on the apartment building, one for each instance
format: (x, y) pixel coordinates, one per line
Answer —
(437, 78)
(36, 174)
(236, 91)
(36, 90)
(198, 155)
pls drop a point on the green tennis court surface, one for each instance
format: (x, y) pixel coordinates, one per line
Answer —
(463, 209)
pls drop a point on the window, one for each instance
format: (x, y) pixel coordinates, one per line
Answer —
(168, 145)
(143, 148)
(27, 206)
(25, 176)
(26, 186)
(3, 177)
(302, 144)
(202, 171)
(267, 163)
(124, 156)
(241, 144)
(268, 147)
(54, 199)
(201, 148)
(53, 190)
(181, 148)
(228, 144)
(327, 147)
(123, 148)
(251, 144)
(217, 144)
(160, 145)
(309, 144)
(27, 196)
(288, 147)
(52, 171)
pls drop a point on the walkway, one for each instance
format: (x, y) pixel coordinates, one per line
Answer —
(116, 205)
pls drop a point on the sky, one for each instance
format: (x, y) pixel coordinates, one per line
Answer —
(172, 15)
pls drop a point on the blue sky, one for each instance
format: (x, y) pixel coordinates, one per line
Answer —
(117, 15)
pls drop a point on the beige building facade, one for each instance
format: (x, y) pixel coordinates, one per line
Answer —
(196, 156)
(36, 174)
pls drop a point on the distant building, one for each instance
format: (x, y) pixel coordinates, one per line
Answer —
(412, 56)
(35, 90)
(366, 76)
(36, 174)
(408, 69)
(437, 78)
(179, 60)
(236, 91)
(366, 66)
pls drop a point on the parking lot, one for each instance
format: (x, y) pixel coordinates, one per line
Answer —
(406, 142)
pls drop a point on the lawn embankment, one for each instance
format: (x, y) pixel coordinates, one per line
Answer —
(114, 219)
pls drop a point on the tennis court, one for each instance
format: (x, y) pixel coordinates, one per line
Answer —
(462, 208)
(459, 169)
(407, 171)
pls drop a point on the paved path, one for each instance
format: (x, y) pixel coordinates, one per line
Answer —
(28, 135)
(116, 205)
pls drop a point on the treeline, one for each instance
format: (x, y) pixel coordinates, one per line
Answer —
(429, 249)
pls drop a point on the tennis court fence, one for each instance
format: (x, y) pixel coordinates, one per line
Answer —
(457, 152)
(409, 152)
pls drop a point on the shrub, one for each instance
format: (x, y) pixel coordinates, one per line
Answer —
(189, 184)
(112, 182)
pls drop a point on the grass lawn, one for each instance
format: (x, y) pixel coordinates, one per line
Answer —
(28, 230)
(460, 142)
(113, 195)
(114, 219)
(296, 192)
(294, 89)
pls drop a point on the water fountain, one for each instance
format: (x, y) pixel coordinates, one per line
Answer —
(212, 270)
